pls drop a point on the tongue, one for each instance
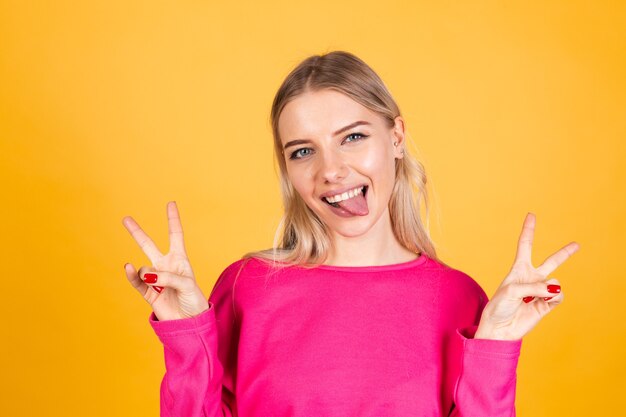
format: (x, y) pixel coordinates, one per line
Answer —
(356, 205)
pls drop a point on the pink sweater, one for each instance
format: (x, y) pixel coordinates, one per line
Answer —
(335, 341)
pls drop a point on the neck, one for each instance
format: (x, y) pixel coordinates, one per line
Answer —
(378, 246)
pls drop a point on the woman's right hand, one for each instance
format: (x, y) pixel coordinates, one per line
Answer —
(180, 296)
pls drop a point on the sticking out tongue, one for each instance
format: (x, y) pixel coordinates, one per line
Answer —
(356, 205)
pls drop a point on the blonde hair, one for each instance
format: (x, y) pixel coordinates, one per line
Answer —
(301, 237)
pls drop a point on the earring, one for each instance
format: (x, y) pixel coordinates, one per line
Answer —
(401, 150)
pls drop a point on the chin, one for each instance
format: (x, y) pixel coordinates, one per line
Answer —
(351, 231)
(353, 227)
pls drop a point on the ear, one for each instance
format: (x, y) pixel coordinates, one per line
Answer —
(398, 138)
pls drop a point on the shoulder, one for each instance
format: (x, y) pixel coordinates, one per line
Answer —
(249, 266)
(458, 284)
(224, 287)
(243, 267)
(240, 282)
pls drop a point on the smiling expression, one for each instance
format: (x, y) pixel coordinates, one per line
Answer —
(334, 145)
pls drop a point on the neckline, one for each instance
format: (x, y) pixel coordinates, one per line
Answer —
(376, 268)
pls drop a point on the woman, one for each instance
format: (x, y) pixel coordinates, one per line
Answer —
(351, 313)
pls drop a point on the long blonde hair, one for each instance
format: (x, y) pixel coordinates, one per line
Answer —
(301, 237)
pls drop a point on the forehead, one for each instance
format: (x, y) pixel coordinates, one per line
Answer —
(321, 112)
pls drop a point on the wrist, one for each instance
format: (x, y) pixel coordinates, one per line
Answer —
(485, 332)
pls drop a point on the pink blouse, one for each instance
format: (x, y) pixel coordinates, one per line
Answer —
(367, 341)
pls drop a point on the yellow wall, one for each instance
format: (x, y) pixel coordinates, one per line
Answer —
(114, 108)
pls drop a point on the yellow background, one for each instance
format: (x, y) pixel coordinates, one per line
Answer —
(114, 108)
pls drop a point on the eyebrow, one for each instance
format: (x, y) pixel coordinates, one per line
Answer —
(343, 129)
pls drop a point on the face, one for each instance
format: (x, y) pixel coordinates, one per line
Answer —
(334, 145)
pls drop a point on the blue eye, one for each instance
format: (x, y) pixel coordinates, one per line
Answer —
(362, 136)
(298, 155)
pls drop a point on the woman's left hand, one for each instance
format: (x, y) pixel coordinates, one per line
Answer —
(525, 295)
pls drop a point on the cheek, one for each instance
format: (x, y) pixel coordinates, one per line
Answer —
(377, 163)
(299, 178)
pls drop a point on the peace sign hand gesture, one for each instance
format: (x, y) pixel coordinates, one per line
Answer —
(177, 295)
(525, 296)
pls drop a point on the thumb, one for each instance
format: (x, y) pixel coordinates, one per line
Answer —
(543, 289)
(164, 279)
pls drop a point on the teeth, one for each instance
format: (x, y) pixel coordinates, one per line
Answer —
(344, 196)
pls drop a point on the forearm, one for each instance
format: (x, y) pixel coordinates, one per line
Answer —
(487, 379)
(192, 384)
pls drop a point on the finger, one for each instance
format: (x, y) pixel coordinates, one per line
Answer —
(145, 270)
(535, 290)
(166, 279)
(525, 242)
(145, 243)
(554, 298)
(556, 259)
(134, 279)
(554, 301)
(177, 242)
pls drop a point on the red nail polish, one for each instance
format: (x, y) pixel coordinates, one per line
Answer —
(150, 278)
(548, 298)
(554, 289)
(158, 289)
(528, 299)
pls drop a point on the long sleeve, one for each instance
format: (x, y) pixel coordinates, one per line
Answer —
(487, 380)
(487, 372)
(199, 380)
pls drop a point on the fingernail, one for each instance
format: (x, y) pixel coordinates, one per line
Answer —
(150, 278)
(158, 289)
(554, 289)
(528, 299)
(125, 265)
(547, 298)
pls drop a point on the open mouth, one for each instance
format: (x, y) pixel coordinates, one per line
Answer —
(363, 191)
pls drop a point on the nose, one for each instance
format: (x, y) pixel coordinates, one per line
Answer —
(332, 167)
